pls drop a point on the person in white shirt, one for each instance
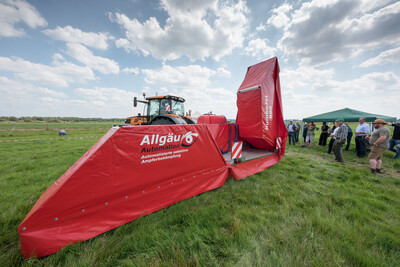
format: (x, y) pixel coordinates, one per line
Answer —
(361, 133)
(291, 132)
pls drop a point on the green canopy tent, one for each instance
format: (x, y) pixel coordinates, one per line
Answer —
(348, 114)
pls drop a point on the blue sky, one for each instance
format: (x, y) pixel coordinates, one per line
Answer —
(90, 58)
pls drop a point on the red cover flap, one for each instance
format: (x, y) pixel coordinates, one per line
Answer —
(127, 174)
(259, 116)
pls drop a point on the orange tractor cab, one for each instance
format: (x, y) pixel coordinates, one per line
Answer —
(166, 109)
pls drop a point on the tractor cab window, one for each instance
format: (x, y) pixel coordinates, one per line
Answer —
(154, 107)
(178, 108)
(165, 106)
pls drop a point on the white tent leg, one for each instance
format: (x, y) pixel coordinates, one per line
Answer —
(301, 136)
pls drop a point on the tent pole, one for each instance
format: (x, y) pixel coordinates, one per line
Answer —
(301, 136)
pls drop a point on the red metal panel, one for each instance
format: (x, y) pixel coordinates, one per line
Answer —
(220, 134)
(211, 119)
(259, 116)
(127, 174)
(245, 169)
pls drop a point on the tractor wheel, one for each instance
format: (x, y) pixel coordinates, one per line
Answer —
(161, 121)
(191, 121)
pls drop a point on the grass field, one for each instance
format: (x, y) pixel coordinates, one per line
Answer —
(307, 210)
(4, 127)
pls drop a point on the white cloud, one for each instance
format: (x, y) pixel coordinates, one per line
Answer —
(13, 13)
(280, 19)
(133, 71)
(222, 72)
(319, 81)
(78, 101)
(164, 89)
(123, 43)
(220, 92)
(187, 31)
(110, 100)
(375, 83)
(315, 91)
(76, 36)
(388, 56)
(50, 100)
(60, 73)
(102, 94)
(307, 77)
(191, 76)
(85, 56)
(218, 100)
(261, 27)
(320, 32)
(20, 98)
(259, 49)
(180, 8)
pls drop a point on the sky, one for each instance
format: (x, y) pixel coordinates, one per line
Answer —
(91, 58)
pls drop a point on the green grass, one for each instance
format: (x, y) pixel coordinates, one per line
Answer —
(9, 126)
(42, 130)
(307, 210)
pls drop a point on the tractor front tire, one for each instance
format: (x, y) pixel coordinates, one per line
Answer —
(162, 121)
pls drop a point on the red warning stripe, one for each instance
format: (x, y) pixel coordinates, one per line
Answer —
(237, 150)
(278, 143)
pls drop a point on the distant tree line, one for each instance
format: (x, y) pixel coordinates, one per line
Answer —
(54, 119)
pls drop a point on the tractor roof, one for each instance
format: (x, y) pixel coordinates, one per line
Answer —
(176, 98)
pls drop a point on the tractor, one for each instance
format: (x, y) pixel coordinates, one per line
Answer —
(161, 110)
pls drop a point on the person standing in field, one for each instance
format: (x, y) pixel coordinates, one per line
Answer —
(305, 128)
(349, 136)
(310, 134)
(296, 134)
(379, 141)
(324, 134)
(361, 133)
(332, 135)
(395, 141)
(291, 132)
(340, 139)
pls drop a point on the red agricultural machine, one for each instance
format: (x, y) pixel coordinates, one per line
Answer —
(136, 170)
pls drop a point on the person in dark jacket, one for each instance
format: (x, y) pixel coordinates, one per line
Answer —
(305, 129)
(296, 134)
(349, 136)
(291, 132)
(324, 134)
(332, 140)
(394, 143)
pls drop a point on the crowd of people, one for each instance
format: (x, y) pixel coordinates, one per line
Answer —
(341, 135)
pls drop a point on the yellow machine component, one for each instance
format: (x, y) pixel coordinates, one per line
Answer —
(136, 120)
(172, 115)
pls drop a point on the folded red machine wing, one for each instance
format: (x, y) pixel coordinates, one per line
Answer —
(133, 171)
